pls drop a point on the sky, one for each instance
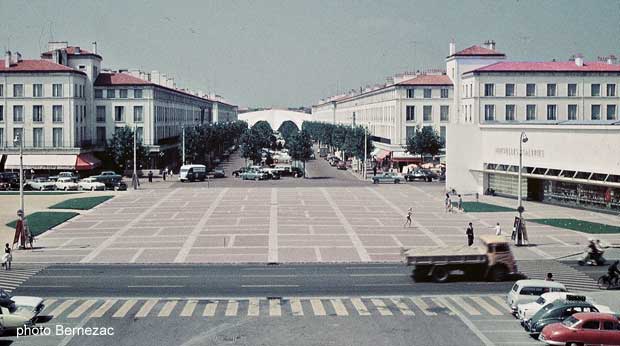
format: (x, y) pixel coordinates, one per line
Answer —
(292, 53)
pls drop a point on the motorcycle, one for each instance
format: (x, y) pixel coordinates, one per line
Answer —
(605, 282)
(592, 259)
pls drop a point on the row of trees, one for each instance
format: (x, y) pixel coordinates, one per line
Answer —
(203, 142)
(349, 139)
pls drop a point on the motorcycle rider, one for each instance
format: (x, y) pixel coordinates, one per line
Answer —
(593, 250)
(614, 272)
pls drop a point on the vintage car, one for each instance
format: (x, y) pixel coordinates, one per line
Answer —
(527, 310)
(583, 329)
(9, 181)
(271, 173)
(236, 173)
(218, 173)
(386, 177)
(70, 175)
(17, 312)
(34, 304)
(421, 174)
(253, 175)
(41, 184)
(557, 311)
(66, 184)
(90, 184)
(341, 165)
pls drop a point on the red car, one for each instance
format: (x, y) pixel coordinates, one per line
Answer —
(586, 328)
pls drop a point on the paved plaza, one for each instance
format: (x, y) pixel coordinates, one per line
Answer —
(250, 223)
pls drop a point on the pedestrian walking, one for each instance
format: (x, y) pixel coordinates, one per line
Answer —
(498, 230)
(374, 170)
(470, 234)
(447, 202)
(408, 219)
(22, 232)
(164, 174)
(460, 205)
(150, 176)
(7, 258)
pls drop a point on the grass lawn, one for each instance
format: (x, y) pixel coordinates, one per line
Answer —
(81, 203)
(479, 207)
(14, 193)
(42, 221)
(579, 225)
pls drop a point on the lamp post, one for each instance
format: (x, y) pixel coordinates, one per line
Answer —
(183, 146)
(522, 139)
(366, 150)
(21, 169)
(134, 178)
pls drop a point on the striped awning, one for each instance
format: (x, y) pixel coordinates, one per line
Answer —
(37, 161)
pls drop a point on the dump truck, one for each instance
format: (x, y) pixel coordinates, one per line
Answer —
(492, 261)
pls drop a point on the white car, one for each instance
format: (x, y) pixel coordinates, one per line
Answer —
(33, 304)
(41, 184)
(90, 184)
(526, 311)
(66, 184)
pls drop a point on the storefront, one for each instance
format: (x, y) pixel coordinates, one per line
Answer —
(53, 162)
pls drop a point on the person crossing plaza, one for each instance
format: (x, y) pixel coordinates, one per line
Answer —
(408, 219)
(470, 234)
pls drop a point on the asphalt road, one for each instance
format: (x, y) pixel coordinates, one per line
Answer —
(200, 281)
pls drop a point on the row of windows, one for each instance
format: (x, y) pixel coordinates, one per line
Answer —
(550, 91)
(37, 137)
(427, 113)
(551, 112)
(39, 91)
(119, 114)
(122, 93)
(38, 114)
(101, 138)
(427, 93)
(410, 131)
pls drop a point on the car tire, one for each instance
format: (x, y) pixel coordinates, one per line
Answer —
(440, 274)
(397, 181)
(498, 273)
(65, 188)
(92, 188)
(574, 344)
(41, 188)
(256, 178)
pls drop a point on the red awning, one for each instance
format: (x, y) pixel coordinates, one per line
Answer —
(86, 162)
(382, 154)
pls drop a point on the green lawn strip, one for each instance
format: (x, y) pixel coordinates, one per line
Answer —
(81, 203)
(14, 193)
(41, 221)
(579, 225)
(480, 207)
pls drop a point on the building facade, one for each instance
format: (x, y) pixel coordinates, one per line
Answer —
(64, 104)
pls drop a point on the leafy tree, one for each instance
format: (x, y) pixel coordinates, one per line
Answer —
(252, 143)
(288, 129)
(354, 142)
(300, 147)
(424, 142)
(119, 150)
(338, 137)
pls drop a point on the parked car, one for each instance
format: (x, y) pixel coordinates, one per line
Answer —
(527, 291)
(108, 178)
(297, 172)
(66, 184)
(193, 172)
(341, 165)
(91, 184)
(386, 177)
(33, 304)
(557, 311)
(271, 173)
(41, 184)
(218, 173)
(526, 311)
(120, 185)
(421, 174)
(236, 173)
(253, 175)
(14, 316)
(585, 328)
(9, 181)
(69, 175)
(334, 161)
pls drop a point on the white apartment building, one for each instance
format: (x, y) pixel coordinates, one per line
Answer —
(65, 108)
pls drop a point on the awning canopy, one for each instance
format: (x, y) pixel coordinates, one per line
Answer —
(374, 152)
(382, 154)
(86, 162)
(53, 162)
(401, 156)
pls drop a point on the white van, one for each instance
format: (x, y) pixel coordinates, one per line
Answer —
(527, 291)
(193, 172)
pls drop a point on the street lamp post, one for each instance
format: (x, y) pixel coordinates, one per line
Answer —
(522, 139)
(183, 146)
(366, 150)
(134, 178)
(21, 170)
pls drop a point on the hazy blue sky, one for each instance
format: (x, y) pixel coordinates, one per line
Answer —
(289, 53)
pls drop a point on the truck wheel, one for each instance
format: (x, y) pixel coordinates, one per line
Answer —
(498, 273)
(440, 274)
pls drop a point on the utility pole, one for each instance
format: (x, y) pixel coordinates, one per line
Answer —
(21, 170)
(522, 139)
(183, 146)
(365, 151)
(134, 178)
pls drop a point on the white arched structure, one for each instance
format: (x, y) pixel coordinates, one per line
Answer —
(275, 117)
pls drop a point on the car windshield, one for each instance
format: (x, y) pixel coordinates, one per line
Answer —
(548, 307)
(570, 321)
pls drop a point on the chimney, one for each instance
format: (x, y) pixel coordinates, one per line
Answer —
(490, 44)
(18, 56)
(579, 60)
(14, 58)
(77, 50)
(7, 59)
(452, 48)
(611, 60)
(94, 43)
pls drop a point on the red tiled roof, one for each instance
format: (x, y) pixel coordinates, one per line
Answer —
(108, 79)
(478, 51)
(36, 66)
(428, 79)
(549, 66)
(71, 51)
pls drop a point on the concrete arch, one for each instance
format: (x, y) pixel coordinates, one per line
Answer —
(275, 117)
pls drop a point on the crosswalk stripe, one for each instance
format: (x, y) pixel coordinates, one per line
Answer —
(253, 307)
(210, 309)
(422, 306)
(317, 307)
(231, 308)
(339, 307)
(147, 307)
(274, 307)
(465, 306)
(296, 307)
(124, 309)
(62, 307)
(167, 309)
(486, 306)
(359, 306)
(441, 303)
(381, 307)
(188, 309)
(103, 308)
(501, 302)
(48, 303)
(404, 309)
(82, 308)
